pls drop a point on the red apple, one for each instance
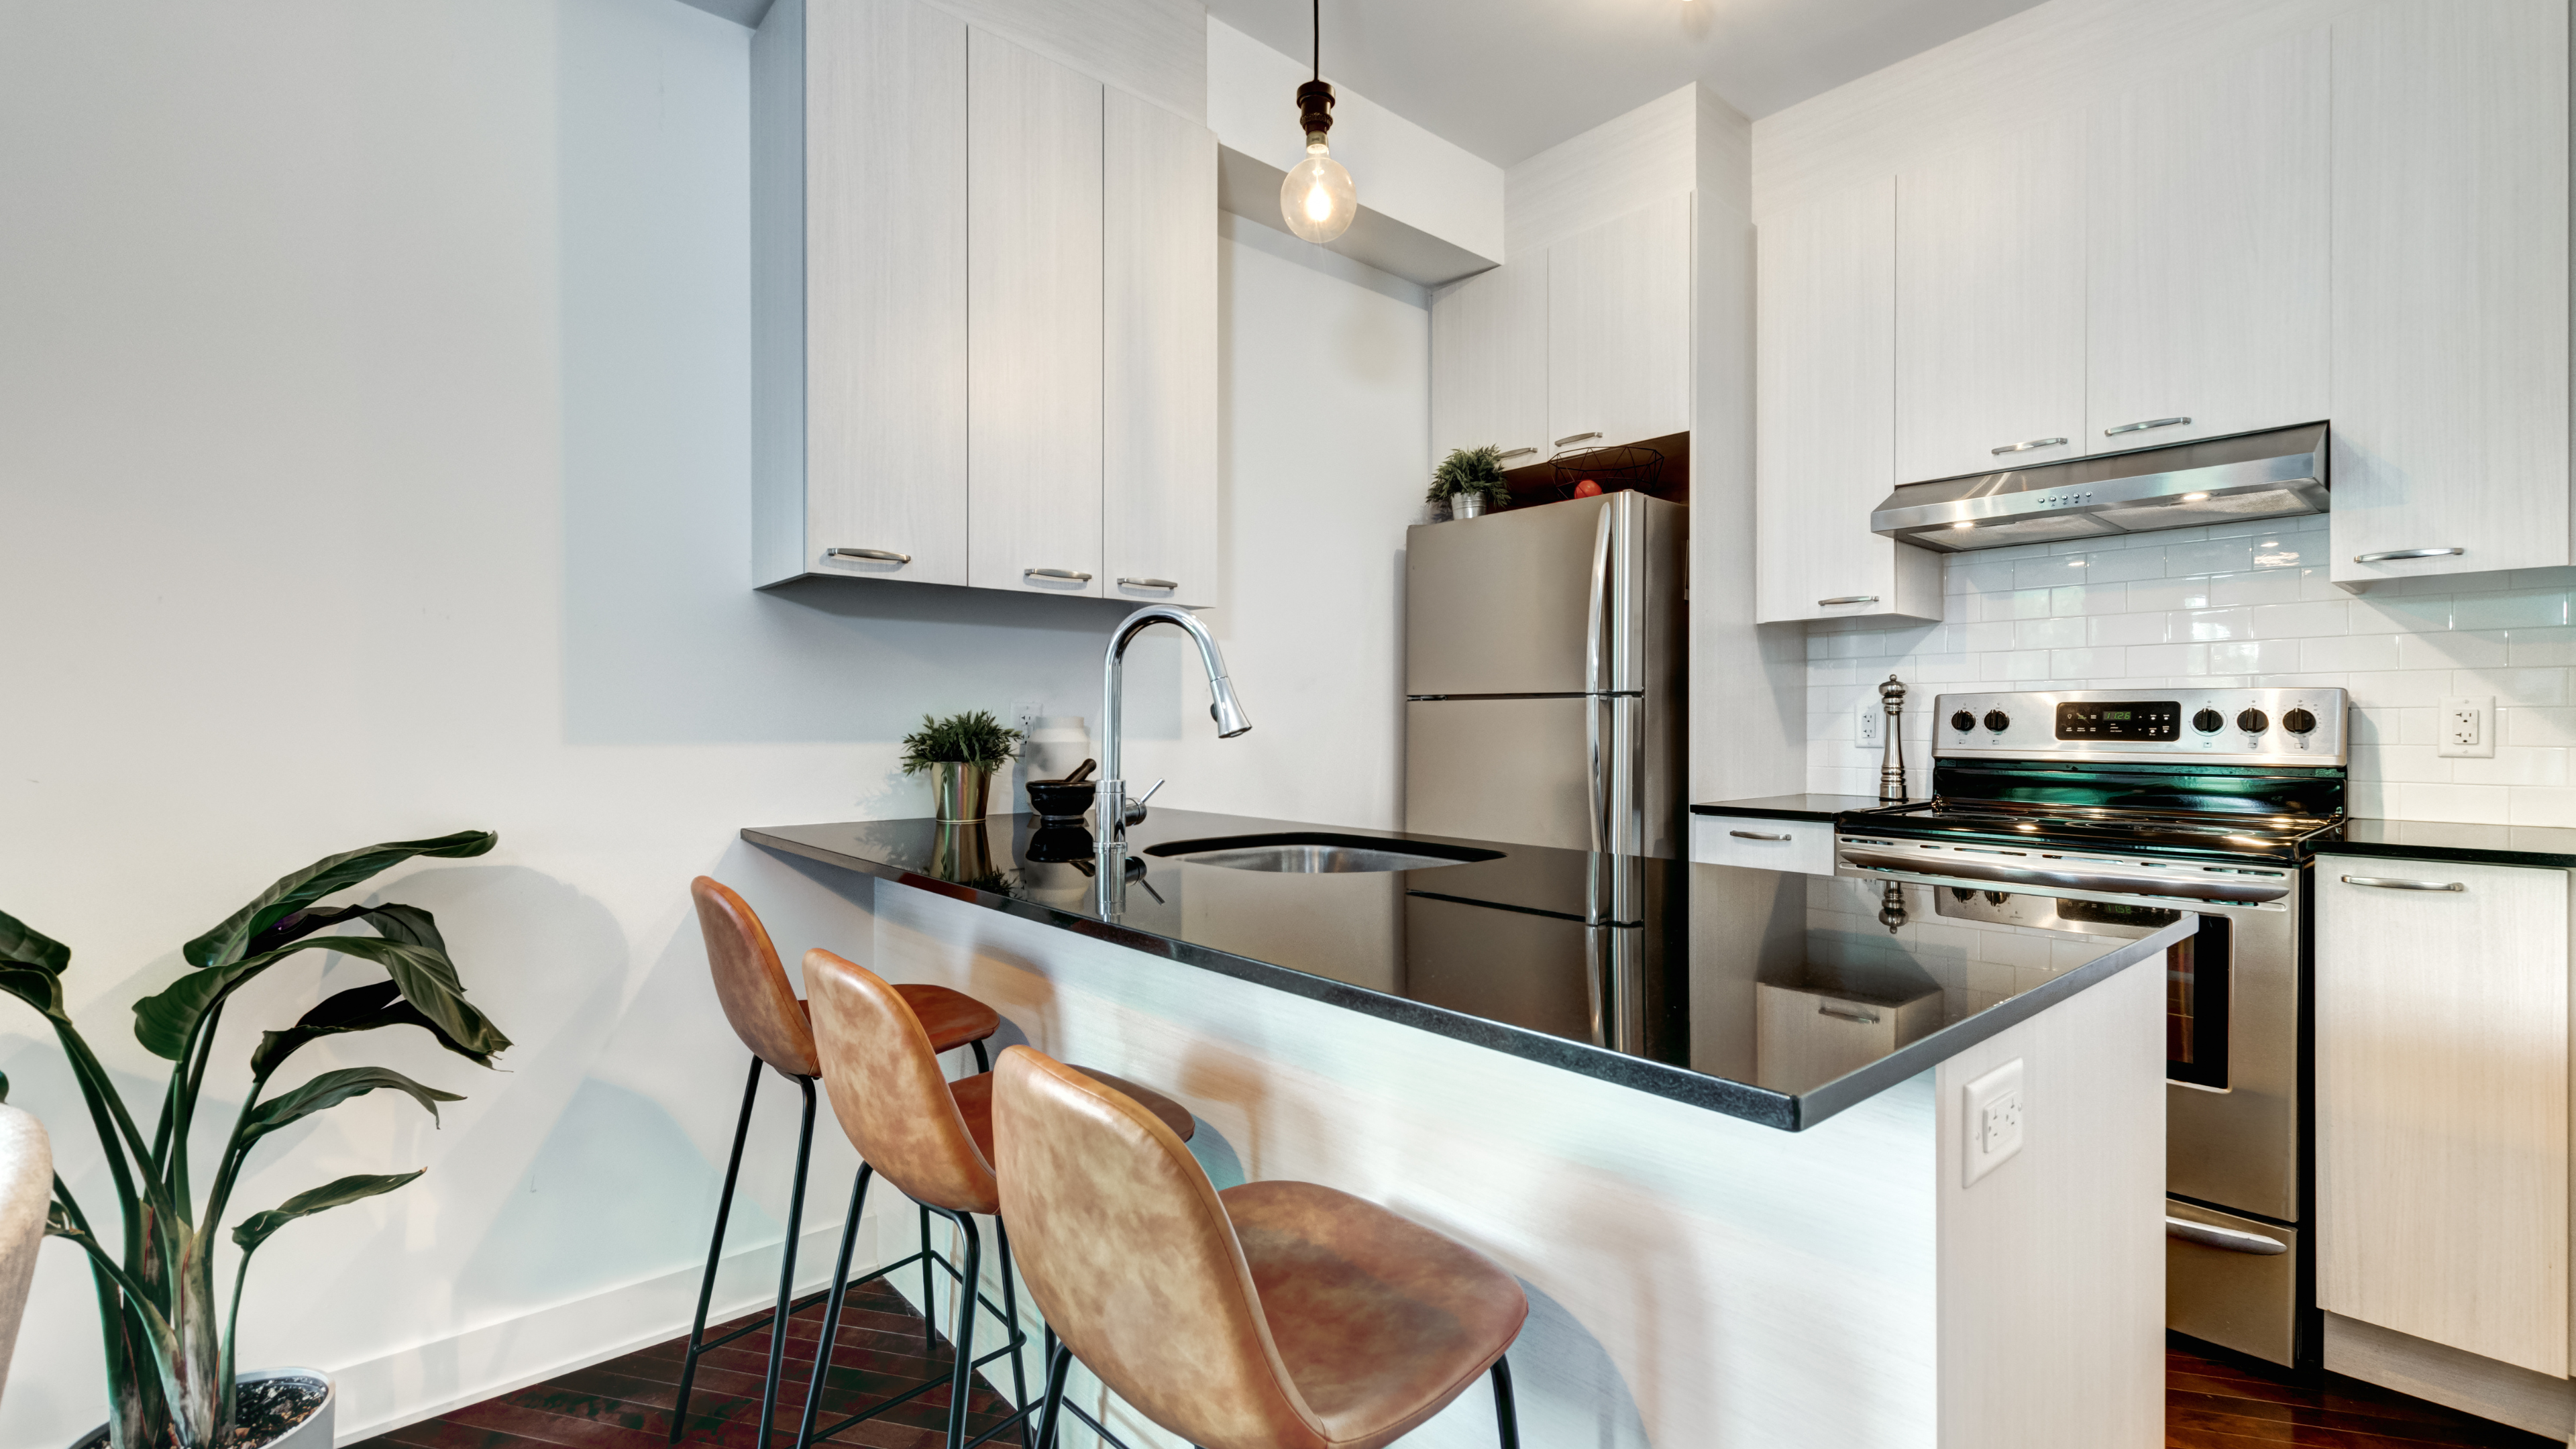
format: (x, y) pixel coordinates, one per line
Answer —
(1587, 489)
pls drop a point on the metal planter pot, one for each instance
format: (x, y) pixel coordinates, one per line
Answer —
(313, 1433)
(961, 791)
(1466, 505)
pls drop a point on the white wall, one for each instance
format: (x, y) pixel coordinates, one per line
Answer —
(373, 447)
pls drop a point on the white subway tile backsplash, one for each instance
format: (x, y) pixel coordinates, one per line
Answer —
(2236, 605)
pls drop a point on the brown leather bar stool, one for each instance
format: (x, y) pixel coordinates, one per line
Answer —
(1274, 1315)
(933, 1139)
(765, 1012)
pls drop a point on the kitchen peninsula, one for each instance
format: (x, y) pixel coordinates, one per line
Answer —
(1717, 1118)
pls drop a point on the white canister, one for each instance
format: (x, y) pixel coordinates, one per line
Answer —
(1056, 747)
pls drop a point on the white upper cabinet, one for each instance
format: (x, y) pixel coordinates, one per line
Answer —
(2450, 288)
(1033, 321)
(1618, 329)
(1990, 305)
(1159, 361)
(2208, 231)
(859, 270)
(1825, 409)
(1489, 363)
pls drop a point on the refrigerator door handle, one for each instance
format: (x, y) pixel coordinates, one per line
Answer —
(1596, 633)
(1596, 768)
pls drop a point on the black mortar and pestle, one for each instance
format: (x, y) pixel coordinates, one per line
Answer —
(1065, 800)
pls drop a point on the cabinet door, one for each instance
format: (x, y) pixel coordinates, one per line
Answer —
(1033, 321)
(1990, 305)
(2442, 1148)
(2450, 287)
(2208, 235)
(1489, 363)
(1159, 364)
(1618, 329)
(883, 304)
(1825, 416)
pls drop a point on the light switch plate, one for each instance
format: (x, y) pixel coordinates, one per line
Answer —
(2465, 728)
(1992, 1121)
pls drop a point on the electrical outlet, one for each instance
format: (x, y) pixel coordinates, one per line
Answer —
(2465, 728)
(1993, 1120)
(1866, 725)
(1024, 713)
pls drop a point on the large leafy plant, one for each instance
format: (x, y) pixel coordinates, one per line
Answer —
(169, 1361)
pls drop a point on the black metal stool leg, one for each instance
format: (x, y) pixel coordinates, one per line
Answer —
(929, 1304)
(832, 1312)
(787, 1269)
(1011, 1315)
(1507, 1417)
(983, 1063)
(1059, 1363)
(961, 1383)
(715, 1255)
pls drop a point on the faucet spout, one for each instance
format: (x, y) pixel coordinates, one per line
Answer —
(1116, 814)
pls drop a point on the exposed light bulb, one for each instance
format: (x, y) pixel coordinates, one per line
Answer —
(1318, 198)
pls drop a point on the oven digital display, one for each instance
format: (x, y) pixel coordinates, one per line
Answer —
(2120, 720)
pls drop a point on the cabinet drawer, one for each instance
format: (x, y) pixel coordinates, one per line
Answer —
(1799, 845)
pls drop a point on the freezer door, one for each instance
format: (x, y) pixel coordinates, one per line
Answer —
(1516, 770)
(1505, 604)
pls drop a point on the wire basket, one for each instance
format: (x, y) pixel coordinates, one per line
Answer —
(1615, 469)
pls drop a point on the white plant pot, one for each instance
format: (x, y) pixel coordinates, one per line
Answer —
(313, 1433)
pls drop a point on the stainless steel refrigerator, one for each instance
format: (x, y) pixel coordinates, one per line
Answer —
(1544, 673)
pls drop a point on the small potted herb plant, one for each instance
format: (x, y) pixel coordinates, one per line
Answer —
(961, 753)
(1470, 480)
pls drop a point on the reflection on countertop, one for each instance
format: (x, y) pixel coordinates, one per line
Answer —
(1777, 997)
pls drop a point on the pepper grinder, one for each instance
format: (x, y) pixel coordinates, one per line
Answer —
(1891, 769)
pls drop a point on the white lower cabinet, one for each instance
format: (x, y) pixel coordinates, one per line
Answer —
(1806, 846)
(2442, 1103)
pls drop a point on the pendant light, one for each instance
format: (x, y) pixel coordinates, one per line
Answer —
(1318, 198)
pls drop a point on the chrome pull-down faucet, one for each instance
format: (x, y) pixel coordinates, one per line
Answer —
(1117, 812)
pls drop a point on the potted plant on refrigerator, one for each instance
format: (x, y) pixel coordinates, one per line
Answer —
(1470, 480)
(171, 1376)
(961, 753)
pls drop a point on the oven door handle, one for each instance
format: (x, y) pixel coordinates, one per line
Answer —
(2246, 890)
(2227, 1240)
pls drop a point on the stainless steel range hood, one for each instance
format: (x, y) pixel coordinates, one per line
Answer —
(2278, 473)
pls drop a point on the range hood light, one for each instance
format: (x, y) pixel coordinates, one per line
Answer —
(2195, 498)
(1965, 523)
(2243, 478)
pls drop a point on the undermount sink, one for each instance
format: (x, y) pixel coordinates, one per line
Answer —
(1315, 852)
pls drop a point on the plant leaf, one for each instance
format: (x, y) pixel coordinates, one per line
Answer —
(361, 1008)
(38, 988)
(164, 1021)
(393, 921)
(255, 1229)
(291, 893)
(27, 946)
(331, 1089)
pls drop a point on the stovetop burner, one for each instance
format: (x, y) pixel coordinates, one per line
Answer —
(2263, 837)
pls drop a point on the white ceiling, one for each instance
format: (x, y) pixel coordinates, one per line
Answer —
(1509, 78)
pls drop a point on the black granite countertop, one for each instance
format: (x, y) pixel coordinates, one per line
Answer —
(2541, 845)
(1790, 807)
(1770, 996)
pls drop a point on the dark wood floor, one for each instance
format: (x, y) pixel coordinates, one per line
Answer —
(2212, 1401)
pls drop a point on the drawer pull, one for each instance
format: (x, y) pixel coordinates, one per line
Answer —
(2391, 883)
(1847, 599)
(1569, 438)
(2384, 555)
(1756, 835)
(1860, 1014)
(1071, 574)
(873, 555)
(1149, 583)
(2033, 443)
(2225, 1239)
(2142, 427)
(1514, 452)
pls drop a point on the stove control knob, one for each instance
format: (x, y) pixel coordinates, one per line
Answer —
(1962, 720)
(2298, 721)
(2253, 721)
(2208, 721)
(1996, 720)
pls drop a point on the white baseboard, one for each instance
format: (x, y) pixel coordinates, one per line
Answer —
(2507, 1393)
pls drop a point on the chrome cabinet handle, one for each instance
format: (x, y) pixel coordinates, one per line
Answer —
(1079, 578)
(2389, 553)
(880, 555)
(1848, 1013)
(1755, 835)
(1569, 438)
(1514, 452)
(2033, 443)
(2142, 427)
(1125, 583)
(1847, 599)
(2391, 883)
(2241, 887)
(2226, 1239)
